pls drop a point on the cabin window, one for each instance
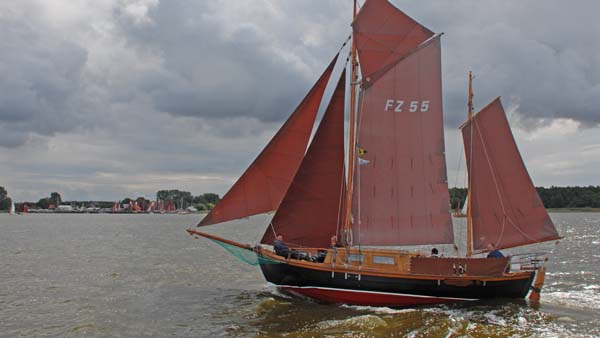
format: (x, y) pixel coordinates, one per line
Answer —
(384, 260)
(356, 258)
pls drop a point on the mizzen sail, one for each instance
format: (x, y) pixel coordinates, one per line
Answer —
(401, 186)
(505, 207)
(263, 185)
(311, 210)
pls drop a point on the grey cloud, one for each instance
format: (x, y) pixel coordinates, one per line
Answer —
(539, 56)
(207, 73)
(39, 80)
(197, 87)
(226, 59)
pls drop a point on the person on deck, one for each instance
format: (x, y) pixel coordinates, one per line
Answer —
(282, 249)
(435, 253)
(335, 243)
(493, 252)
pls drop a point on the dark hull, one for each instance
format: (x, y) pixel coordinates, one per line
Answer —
(389, 291)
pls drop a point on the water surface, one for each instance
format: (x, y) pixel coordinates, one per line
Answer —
(143, 276)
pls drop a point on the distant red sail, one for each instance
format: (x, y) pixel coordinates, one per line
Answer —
(402, 185)
(311, 210)
(384, 34)
(505, 206)
(262, 186)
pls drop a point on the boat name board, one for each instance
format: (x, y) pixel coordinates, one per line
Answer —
(414, 106)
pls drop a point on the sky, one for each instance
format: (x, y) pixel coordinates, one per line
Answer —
(107, 99)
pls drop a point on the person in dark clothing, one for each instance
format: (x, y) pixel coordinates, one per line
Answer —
(321, 254)
(319, 257)
(335, 243)
(282, 249)
(493, 252)
(435, 252)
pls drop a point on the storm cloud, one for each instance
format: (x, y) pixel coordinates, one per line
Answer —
(112, 96)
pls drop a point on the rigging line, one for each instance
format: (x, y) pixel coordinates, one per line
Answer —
(344, 44)
(342, 196)
(520, 230)
(359, 123)
(337, 227)
(460, 152)
(502, 231)
(358, 204)
(348, 60)
(487, 157)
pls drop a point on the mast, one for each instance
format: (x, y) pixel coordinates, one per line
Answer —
(351, 138)
(469, 197)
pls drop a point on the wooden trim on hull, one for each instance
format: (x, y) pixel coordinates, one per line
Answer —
(388, 273)
(366, 298)
(438, 291)
(343, 282)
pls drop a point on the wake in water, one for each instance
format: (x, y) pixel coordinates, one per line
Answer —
(479, 319)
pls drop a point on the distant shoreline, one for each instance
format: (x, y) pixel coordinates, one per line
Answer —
(566, 210)
(52, 212)
(550, 210)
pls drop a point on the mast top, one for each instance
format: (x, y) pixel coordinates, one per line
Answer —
(470, 95)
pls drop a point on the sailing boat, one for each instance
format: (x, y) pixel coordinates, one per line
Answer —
(394, 192)
(461, 212)
(12, 208)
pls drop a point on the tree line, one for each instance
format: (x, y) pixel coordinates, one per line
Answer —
(183, 199)
(5, 201)
(553, 197)
(179, 199)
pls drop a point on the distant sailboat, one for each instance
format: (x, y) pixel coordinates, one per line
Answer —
(182, 210)
(395, 192)
(12, 208)
(461, 212)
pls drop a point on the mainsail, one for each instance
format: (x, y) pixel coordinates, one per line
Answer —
(505, 207)
(402, 191)
(263, 185)
(311, 210)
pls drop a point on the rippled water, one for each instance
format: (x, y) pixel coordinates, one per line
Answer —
(143, 276)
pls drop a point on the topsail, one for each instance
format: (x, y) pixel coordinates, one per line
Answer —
(383, 34)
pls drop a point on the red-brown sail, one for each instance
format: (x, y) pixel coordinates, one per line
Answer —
(402, 190)
(505, 207)
(383, 34)
(311, 210)
(264, 183)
